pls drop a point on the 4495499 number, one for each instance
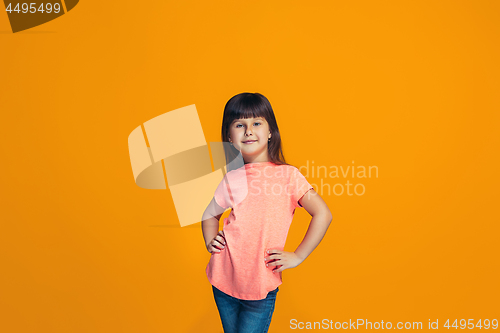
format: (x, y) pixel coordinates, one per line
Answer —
(469, 324)
(32, 8)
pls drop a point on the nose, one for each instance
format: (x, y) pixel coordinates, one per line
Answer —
(248, 132)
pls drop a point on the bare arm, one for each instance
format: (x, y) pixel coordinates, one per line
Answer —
(210, 227)
(321, 218)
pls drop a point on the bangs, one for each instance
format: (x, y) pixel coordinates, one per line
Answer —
(248, 109)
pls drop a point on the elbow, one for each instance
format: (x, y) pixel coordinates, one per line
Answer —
(325, 216)
(329, 217)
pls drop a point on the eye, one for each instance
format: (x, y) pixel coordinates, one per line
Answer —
(258, 123)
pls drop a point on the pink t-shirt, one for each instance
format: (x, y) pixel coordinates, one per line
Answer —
(263, 197)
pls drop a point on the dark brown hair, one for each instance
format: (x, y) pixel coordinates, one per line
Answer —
(251, 105)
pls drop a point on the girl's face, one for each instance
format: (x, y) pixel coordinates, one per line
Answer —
(250, 137)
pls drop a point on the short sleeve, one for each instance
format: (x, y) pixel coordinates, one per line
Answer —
(221, 195)
(299, 186)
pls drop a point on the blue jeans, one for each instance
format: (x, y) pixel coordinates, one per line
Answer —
(245, 316)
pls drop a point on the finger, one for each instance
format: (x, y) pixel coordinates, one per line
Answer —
(274, 251)
(273, 260)
(273, 256)
(222, 234)
(274, 263)
(220, 239)
(280, 269)
(214, 249)
(217, 245)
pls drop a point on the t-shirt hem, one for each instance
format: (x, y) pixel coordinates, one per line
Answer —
(302, 194)
(245, 297)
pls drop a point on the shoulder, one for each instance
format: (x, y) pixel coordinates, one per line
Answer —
(295, 174)
(290, 169)
(287, 172)
(235, 172)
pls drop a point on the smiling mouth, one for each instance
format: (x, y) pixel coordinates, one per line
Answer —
(249, 142)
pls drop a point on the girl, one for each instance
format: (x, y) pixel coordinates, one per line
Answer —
(247, 255)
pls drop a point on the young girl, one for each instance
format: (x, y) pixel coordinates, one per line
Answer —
(247, 255)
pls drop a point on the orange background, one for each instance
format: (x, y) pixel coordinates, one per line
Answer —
(410, 87)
